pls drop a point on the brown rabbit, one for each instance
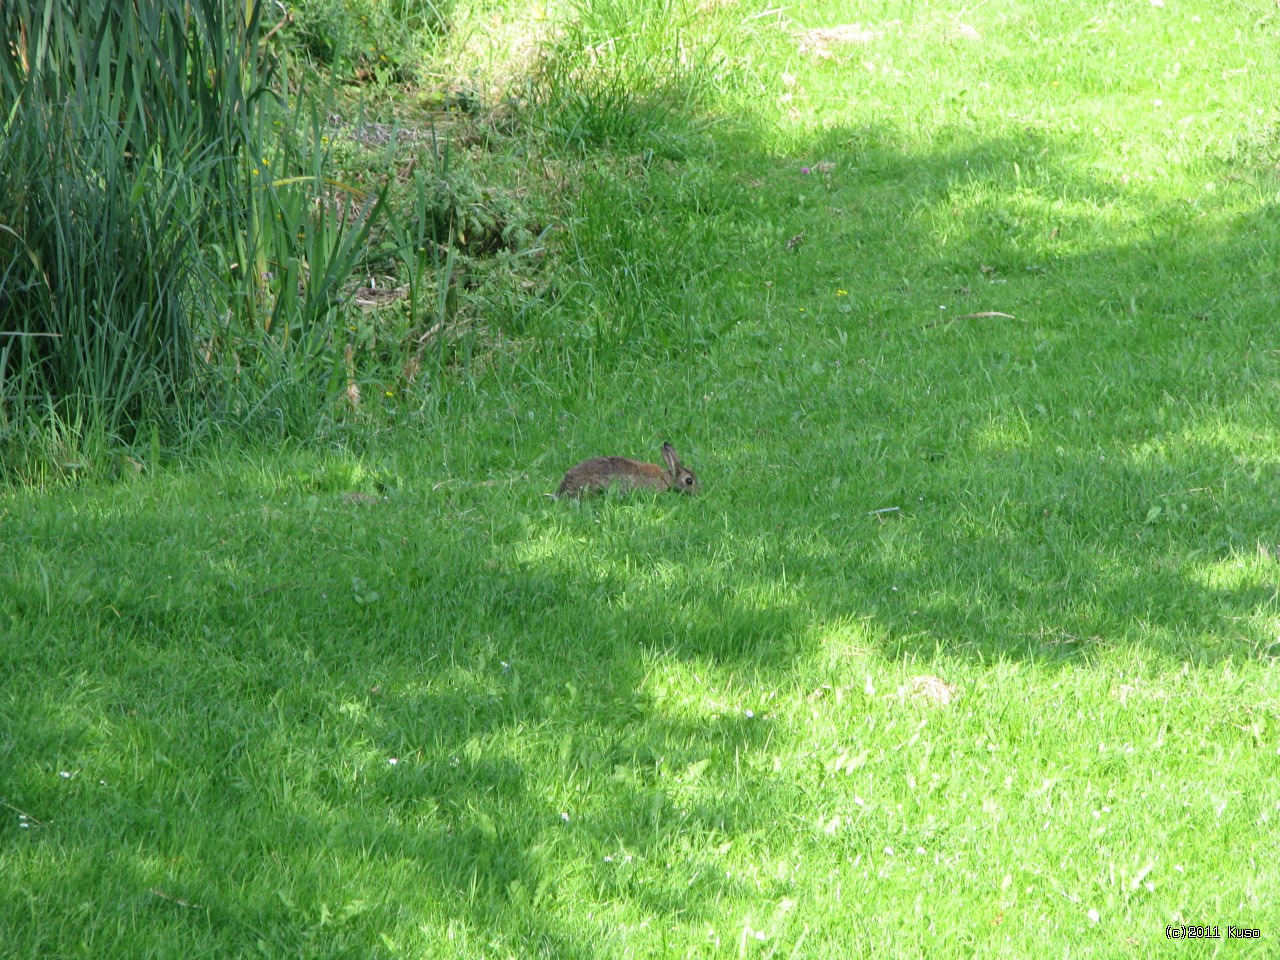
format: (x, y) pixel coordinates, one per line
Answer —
(604, 472)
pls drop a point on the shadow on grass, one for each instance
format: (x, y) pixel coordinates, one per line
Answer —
(1084, 475)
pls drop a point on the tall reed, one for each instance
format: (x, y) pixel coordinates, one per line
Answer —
(118, 161)
(171, 246)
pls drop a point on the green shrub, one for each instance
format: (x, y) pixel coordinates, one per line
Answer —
(381, 41)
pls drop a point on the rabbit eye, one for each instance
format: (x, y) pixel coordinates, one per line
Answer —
(688, 481)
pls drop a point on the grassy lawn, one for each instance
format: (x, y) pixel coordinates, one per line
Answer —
(965, 316)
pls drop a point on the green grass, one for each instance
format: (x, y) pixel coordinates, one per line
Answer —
(382, 697)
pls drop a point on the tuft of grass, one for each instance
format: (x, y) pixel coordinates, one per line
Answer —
(627, 74)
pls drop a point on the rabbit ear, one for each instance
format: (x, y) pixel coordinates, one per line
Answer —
(669, 455)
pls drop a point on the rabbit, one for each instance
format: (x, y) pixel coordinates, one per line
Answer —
(603, 472)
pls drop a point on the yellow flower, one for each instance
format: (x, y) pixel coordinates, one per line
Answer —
(842, 293)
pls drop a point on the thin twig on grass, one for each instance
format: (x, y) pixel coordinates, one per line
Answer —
(435, 329)
(284, 21)
(172, 899)
(22, 813)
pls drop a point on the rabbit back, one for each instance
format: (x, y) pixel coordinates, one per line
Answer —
(604, 472)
